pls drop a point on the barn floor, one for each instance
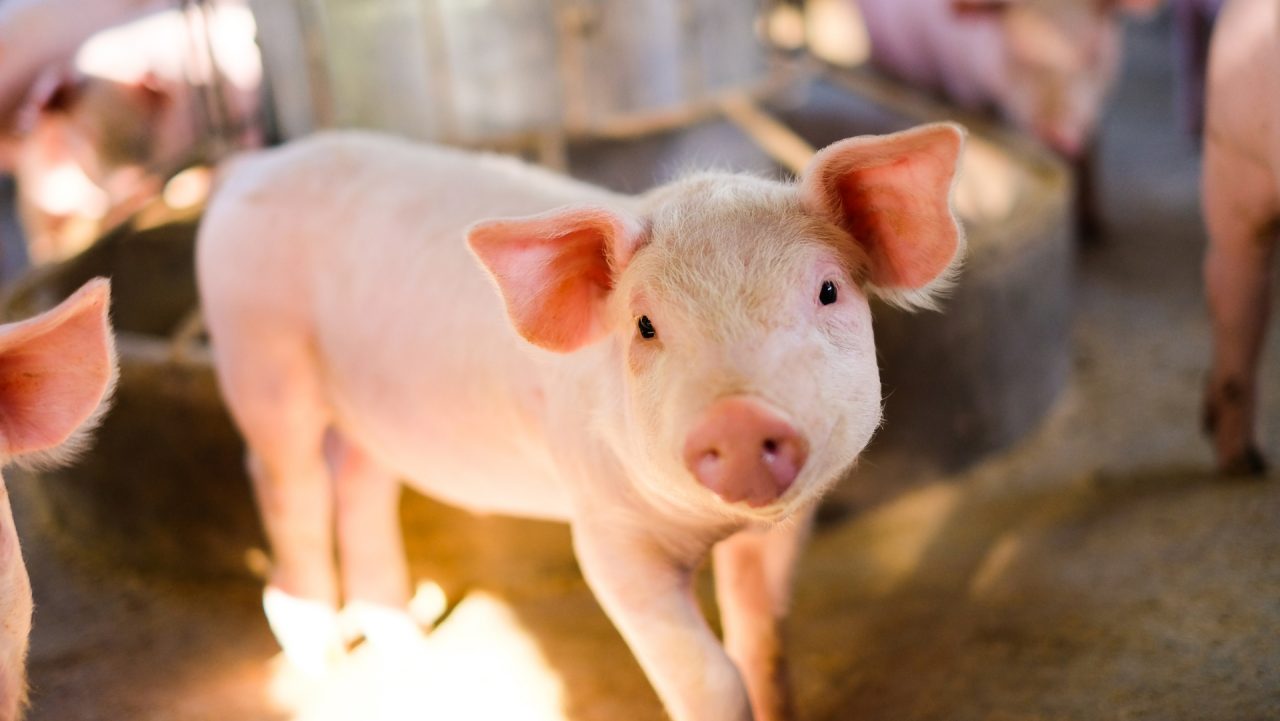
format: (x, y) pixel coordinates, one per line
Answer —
(1096, 571)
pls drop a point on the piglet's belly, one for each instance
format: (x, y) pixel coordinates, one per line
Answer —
(497, 474)
(488, 481)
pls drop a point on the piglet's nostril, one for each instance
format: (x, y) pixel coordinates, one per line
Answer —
(770, 447)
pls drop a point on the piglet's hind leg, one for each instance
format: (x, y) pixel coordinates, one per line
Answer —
(374, 571)
(269, 381)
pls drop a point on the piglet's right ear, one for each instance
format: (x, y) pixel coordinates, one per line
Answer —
(555, 270)
(56, 371)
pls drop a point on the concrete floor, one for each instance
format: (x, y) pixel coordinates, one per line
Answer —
(1096, 571)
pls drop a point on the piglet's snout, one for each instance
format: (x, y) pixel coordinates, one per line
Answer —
(745, 452)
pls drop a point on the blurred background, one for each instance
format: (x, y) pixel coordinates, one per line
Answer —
(1039, 530)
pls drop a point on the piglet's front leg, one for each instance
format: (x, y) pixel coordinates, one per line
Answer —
(648, 594)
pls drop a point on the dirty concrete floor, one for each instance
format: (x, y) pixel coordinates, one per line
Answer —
(1097, 571)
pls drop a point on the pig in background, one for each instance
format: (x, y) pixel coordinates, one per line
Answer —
(1046, 66)
(98, 133)
(1241, 200)
(37, 34)
(1193, 27)
(675, 374)
(56, 374)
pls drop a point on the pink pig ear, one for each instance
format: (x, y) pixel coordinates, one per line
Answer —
(56, 371)
(892, 195)
(555, 270)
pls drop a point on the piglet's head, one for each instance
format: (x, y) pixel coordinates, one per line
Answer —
(733, 313)
(56, 372)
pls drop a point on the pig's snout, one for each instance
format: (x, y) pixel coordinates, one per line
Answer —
(1067, 142)
(745, 452)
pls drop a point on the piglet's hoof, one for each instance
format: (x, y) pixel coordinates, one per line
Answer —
(1248, 463)
(382, 627)
(307, 630)
(1224, 418)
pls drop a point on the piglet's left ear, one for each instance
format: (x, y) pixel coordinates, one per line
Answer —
(892, 195)
(56, 371)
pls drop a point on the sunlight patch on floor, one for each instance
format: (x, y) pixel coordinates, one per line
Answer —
(894, 538)
(479, 664)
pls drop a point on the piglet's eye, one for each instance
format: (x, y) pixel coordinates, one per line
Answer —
(827, 295)
(646, 327)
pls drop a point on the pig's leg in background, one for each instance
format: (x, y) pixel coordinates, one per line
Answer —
(269, 380)
(371, 556)
(753, 575)
(647, 591)
(1241, 209)
(1089, 227)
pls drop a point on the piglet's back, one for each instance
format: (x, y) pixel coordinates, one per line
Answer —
(361, 219)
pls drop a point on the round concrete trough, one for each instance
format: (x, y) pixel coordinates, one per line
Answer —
(164, 489)
(978, 374)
